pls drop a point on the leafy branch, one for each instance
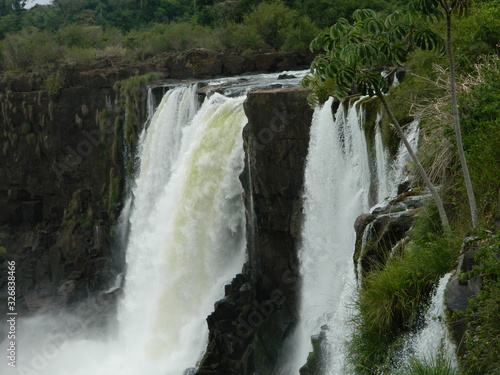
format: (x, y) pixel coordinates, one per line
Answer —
(351, 62)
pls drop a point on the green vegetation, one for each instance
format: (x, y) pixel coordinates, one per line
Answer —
(131, 95)
(480, 106)
(438, 366)
(85, 31)
(3, 250)
(54, 83)
(391, 297)
(483, 316)
(354, 52)
(449, 8)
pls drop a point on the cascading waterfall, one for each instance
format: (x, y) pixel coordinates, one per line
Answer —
(186, 241)
(337, 190)
(433, 338)
(334, 197)
(186, 230)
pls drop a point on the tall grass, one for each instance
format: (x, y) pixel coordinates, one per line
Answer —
(436, 366)
(392, 296)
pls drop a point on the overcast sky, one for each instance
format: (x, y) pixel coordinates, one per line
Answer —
(31, 3)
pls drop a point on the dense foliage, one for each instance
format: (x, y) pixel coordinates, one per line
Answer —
(83, 30)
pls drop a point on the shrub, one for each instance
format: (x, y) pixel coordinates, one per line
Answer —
(79, 36)
(164, 38)
(82, 55)
(482, 338)
(437, 366)
(480, 108)
(54, 83)
(281, 27)
(30, 47)
(477, 34)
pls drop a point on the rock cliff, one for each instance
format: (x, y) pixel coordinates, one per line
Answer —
(63, 137)
(248, 327)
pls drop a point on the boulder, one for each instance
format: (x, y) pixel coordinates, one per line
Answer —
(379, 232)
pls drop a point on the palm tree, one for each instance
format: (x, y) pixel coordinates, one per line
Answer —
(352, 54)
(437, 8)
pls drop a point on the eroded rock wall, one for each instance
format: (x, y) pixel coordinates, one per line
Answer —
(60, 183)
(249, 326)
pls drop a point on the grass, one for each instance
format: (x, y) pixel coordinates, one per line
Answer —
(392, 296)
(435, 366)
(482, 339)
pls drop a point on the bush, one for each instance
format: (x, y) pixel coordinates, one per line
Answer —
(281, 27)
(79, 36)
(482, 338)
(438, 366)
(477, 34)
(54, 83)
(30, 47)
(167, 38)
(480, 108)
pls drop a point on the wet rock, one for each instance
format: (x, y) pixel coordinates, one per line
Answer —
(276, 141)
(459, 291)
(286, 76)
(317, 359)
(380, 232)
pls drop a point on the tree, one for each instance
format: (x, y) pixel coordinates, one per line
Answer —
(437, 8)
(353, 55)
(9, 6)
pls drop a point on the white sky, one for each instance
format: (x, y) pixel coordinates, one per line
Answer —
(31, 3)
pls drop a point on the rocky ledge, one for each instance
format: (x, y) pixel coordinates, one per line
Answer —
(249, 326)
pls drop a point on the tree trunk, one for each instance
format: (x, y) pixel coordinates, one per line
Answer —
(456, 117)
(439, 203)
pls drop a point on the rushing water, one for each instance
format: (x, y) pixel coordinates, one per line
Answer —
(186, 240)
(433, 339)
(185, 226)
(338, 179)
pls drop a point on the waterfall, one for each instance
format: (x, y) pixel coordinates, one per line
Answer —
(337, 190)
(391, 173)
(433, 337)
(186, 241)
(186, 236)
(337, 185)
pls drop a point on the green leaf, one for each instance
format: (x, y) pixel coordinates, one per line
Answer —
(363, 14)
(428, 40)
(374, 26)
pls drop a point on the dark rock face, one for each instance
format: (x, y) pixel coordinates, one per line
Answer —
(56, 173)
(379, 232)
(248, 327)
(61, 164)
(316, 361)
(458, 292)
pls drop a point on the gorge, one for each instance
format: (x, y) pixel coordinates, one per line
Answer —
(232, 187)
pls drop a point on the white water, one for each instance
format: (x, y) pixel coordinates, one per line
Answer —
(186, 241)
(433, 339)
(337, 186)
(391, 173)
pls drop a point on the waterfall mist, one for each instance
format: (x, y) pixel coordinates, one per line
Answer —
(186, 240)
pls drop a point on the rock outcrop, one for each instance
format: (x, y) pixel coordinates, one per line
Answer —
(249, 325)
(459, 291)
(380, 232)
(59, 184)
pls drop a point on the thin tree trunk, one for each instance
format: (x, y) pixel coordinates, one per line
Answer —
(456, 117)
(439, 203)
